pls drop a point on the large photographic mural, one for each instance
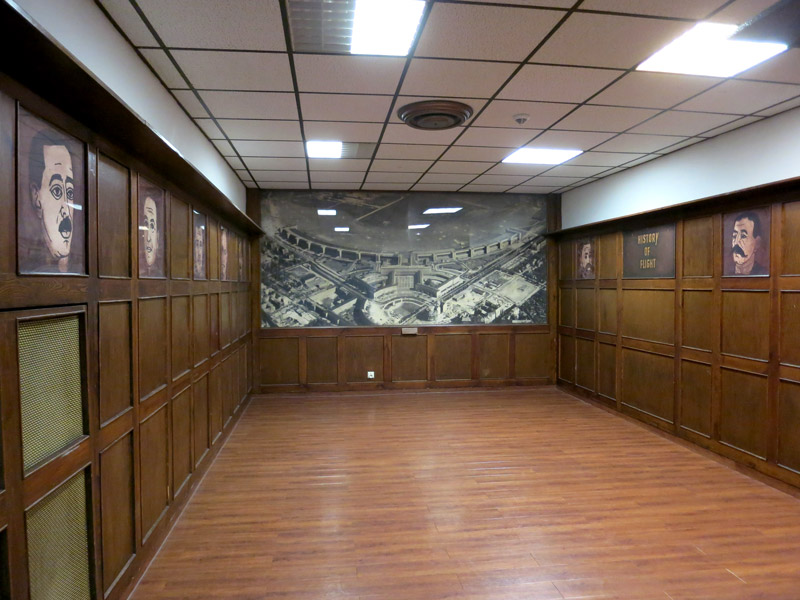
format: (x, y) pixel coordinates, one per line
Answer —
(377, 259)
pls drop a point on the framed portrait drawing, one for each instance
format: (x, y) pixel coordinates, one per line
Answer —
(199, 244)
(745, 243)
(152, 246)
(51, 199)
(241, 259)
(584, 267)
(223, 253)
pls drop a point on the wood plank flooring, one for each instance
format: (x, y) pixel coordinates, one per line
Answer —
(471, 495)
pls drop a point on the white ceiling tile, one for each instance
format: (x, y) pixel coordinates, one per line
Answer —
(675, 122)
(578, 140)
(448, 178)
(499, 137)
(484, 32)
(557, 84)
(533, 189)
(608, 40)
(654, 90)
(345, 132)
(542, 3)
(123, 13)
(437, 187)
(779, 108)
(517, 169)
(162, 65)
(244, 175)
(685, 9)
(234, 162)
(269, 148)
(398, 133)
(235, 70)
(540, 115)
(742, 11)
(557, 182)
(386, 177)
(275, 164)
(457, 78)
(335, 186)
(386, 186)
(575, 171)
(284, 185)
(680, 145)
(604, 159)
(644, 159)
(251, 105)
(450, 166)
(491, 189)
(338, 164)
(605, 118)
(628, 142)
(411, 151)
(246, 129)
(731, 126)
(250, 184)
(224, 147)
(344, 107)
(266, 176)
(339, 176)
(247, 24)
(476, 104)
(351, 74)
(210, 129)
(189, 101)
(404, 166)
(477, 153)
(500, 179)
(784, 68)
(742, 97)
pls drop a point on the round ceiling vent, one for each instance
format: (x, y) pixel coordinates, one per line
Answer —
(434, 114)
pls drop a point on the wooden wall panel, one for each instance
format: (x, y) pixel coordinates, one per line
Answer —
(181, 336)
(696, 397)
(607, 311)
(452, 357)
(213, 248)
(493, 354)
(178, 243)
(698, 247)
(790, 328)
(363, 353)
(181, 439)
(115, 363)
(153, 455)
(200, 419)
(606, 256)
(648, 383)
(224, 320)
(584, 368)
(698, 322)
(566, 358)
(743, 411)
(213, 322)
(322, 360)
(279, 361)
(533, 355)
(113, 216)
(117, 508)
(566, 260)
(409, 358)
(586, 308)
(215, 392)
(649, 315)
(790, 240)
(566, 306)
(200, 337)
(745, 324)
(789, 425)
(607, 370)
(152, 345)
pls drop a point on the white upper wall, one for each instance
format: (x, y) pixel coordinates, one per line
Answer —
(81, 28)
(764, 152)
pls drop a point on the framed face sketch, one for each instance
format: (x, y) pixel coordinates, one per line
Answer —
(745, 243)
(51, 192)
(152, 248)
(585, 259)
(241, 259)
(223, 253)
(199, 244)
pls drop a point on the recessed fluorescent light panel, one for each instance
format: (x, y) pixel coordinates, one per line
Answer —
(326, 212)
(420, 226)
(385, 27)
(706, 50)
(541, 156)
(442, 211)
(317, 149)
(341, 229)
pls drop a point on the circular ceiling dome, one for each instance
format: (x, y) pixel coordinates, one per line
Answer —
(434, 114)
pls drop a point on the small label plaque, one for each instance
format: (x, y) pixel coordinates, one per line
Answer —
(409, 331)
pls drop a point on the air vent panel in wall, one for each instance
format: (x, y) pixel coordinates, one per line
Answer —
(58, 544)
(51, 399)
(321, 25)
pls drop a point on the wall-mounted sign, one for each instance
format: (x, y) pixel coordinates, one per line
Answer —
(649, 253)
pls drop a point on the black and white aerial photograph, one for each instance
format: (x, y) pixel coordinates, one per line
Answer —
(402, 259)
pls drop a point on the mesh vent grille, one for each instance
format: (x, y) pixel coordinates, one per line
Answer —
(58, 544)
(50, 386)
(321, 25)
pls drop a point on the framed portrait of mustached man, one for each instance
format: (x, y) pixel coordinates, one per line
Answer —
(745, 243)
(51, 199)
(223, 253)
(199, 245)
(152, 245)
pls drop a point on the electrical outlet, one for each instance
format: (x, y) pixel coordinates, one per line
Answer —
(370, 374)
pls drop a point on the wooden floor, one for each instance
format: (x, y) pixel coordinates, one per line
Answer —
(515, 494)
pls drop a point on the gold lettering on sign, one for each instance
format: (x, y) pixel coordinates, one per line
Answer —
(647, 263)
(647, 241)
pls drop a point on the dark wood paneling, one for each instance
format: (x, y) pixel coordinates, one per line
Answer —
(790, 240)
(152, 345)
(607, 370)
(698, 321)
(200, 335)
(789, 425)
(452, 357)
(698, 247)
(363, 353)
(566, 358)
(213, 248)
(566, 307)
(649, 315)
(181, 336)
(743, 411)
(181, 438)
(321, 360)
(790, 328)
(648, 383)
(279, 361)
(215, 419)
(117, 508)
(153, 456)
(493, 355)
(113, 219)
(115, 358)
(745, 324)
(607, 311)
(566, 260)
(533, 355)
(584, 368)
(224, 320)
(213, 320)
(607, 256)
(585, 302)
(409, 358)
(696, 397)
(179, 239)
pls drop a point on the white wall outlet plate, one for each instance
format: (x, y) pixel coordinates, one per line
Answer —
(370, 374)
